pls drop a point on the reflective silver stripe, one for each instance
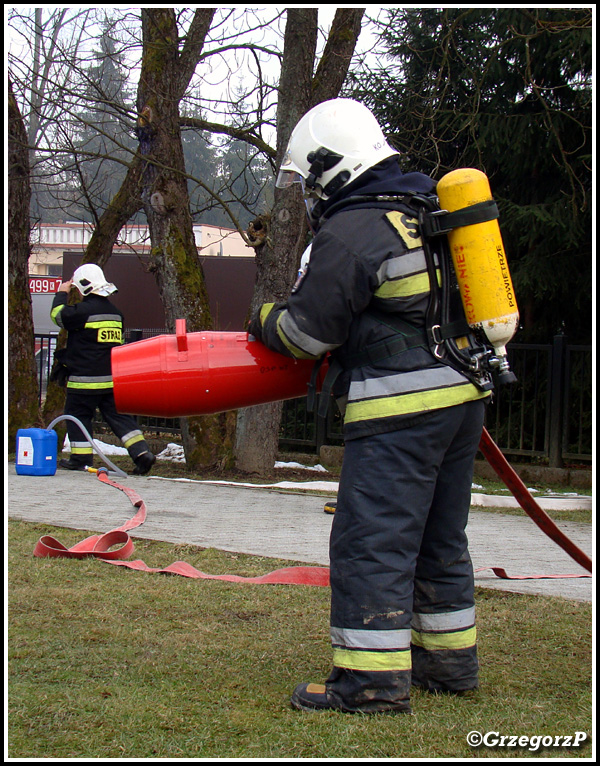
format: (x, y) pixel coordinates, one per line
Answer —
(81, 445)
(404, 383)
(300, 339)
(371, 639)
(133, 440)
(402, 266)
(131, 435)
(90, 379)
(444, 622)
(104, 318)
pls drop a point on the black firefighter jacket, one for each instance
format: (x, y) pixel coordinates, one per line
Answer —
(94, 327)
(368, 264)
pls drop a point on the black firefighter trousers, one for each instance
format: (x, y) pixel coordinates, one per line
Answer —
(402, 605)
(83, 406)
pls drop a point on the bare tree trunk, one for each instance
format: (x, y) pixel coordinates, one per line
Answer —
(124, 205)
(165, 198)
(23, 392)
(284, 233)
(164, 77)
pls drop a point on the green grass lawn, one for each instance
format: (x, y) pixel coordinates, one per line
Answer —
(109, 663)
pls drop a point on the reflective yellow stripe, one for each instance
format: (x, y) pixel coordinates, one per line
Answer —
(104, 384)
(103, 323)
(406, 287)
(55, 313)
(133, 440)
(419, 401)
(460, 639)
(81, 450)
(265, 310)
(359, 660)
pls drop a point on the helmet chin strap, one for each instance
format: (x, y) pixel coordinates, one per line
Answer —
(337, 182)
(313, 214)
(321, 160)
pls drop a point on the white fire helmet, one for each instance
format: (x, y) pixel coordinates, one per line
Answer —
(90, 278)
(332, 145)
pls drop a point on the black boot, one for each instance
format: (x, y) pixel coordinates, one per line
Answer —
(143, 463)
(73, 465)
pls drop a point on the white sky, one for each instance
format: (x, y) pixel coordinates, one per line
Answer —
(218, 75)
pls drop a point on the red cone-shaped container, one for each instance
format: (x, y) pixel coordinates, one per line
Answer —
(203, 372)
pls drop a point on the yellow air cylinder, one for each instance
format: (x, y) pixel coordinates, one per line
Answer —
(480, 261)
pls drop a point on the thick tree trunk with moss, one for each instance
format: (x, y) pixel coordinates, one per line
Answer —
(283, 235)
(165, 74)
(23, 408)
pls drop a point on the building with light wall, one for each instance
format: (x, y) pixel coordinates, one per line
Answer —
(227, 262)
(50, 241)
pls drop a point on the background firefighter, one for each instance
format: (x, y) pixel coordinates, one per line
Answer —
(402, 606)
(94, 327)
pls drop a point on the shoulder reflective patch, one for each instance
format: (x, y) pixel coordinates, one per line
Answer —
(55, 315)
(407, 227)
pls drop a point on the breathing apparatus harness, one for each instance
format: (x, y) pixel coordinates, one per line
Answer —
(447, 334)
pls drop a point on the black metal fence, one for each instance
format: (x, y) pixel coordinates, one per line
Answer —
(547, 414)
(45, 345)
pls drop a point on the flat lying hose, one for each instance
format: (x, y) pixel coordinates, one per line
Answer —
(99, 546)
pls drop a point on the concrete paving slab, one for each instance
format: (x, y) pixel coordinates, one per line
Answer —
(279, 524)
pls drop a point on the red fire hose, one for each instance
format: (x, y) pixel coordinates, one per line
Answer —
(509, 476)
(103, 546)
(99, 546)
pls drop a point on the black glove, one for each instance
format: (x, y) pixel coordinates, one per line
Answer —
(255, 327)
(60, 371)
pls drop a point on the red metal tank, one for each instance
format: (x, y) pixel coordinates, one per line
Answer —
(202, 373)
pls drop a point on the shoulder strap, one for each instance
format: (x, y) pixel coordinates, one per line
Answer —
(439, 222)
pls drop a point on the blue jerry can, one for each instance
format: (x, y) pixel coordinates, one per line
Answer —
(36, 451)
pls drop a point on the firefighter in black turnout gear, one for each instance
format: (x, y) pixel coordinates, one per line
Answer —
(402, 605)
(94, 327)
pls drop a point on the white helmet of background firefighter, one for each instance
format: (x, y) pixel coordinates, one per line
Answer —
(90, 278)
(331, 146)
